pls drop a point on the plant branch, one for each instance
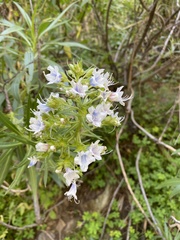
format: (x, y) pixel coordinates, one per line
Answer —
(169, 120)
(128, 185)
(165, 44)
(165, 66)
(109, 208)
(18, 228)
(137, 47)
(144, 193)
(153, 138)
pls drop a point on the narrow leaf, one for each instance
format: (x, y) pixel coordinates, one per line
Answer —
(4, 145)
(5, 164)
(12, 29)
(53, 24)
(170, 183)
(175, 191)
(14, 89)
(20, 138)
(19, 174)
(24, 14)
(5, 121)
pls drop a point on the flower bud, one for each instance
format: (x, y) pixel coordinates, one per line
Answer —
(42, 147)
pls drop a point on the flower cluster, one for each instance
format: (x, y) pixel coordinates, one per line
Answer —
(64, 123)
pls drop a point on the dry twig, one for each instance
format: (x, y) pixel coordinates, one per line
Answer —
(109, 208)
(144, 193)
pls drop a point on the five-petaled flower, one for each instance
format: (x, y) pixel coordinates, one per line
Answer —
(96, 115)
(70, 176)
(118, 96)
(97, 150)
(42, 107)
(54, 76)
(99, 79)
(36, 124)
(78, 88)
(72, 191)
(83, 159)
(33, 160)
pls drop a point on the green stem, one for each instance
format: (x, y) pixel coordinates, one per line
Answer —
(34, 187)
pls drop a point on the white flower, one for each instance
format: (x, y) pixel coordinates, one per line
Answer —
(97, 150)
(55, 95)
(36, 124)
(54, 76)
(96, 115)
(117, 96)
(78, 88)
(70, 176)
(105, 95)
(100, 80)
(52, 148)
(42, 147)
(117, 119)
(83, 159)
(43, 108)
(105, 108)
(33, 160)
(72, 192)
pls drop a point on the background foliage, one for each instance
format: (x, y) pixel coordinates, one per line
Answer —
(138, 42)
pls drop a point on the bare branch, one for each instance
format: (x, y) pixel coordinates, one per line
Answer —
(153, 138)
(144, 193)
(109, 208)
(128, 185)
(18, 228)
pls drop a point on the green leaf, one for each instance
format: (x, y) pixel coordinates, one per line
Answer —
(170, 183)
(54, 23)
(67, 44)
(175, 191)
(29, 64)
(33, 180)
(20, 138)
(7, 50)
(4, 145)
(14, 89)
(10, 63)
(5, 121)
(43, 26)
(176, 152)
(26, 38)
(45, 172)
(12, 29)
(24, 14)
(19, 174)
(5, 164)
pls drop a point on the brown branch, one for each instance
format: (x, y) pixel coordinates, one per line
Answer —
(143, 5)
(144, 193)
(106, 25)
(153, 138)
(165, 66)
(128, 185)
(137, 47)
(18, 228)
(110, 207)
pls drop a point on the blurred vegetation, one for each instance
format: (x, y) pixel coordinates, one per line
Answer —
(138, 42)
